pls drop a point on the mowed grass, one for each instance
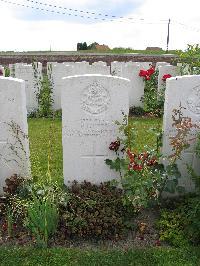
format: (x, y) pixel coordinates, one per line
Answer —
(63, 256)
(45, 136)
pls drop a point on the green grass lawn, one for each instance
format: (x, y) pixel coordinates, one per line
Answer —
(46, 140)
(62, 256)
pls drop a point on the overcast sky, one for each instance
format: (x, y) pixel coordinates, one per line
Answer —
(25, 28)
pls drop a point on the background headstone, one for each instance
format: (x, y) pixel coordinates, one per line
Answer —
(131, 71)
(166, 69)
(32, 76)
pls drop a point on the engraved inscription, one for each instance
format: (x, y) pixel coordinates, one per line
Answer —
(193, 101)
(95, 99)
(90, 127)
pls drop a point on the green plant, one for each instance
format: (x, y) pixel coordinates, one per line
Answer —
(153, 101)
(136, 111)
(94, 211)
(179, 142)
(45, 98)
(142, 177)
(180, 226)
(9, 219)
(190, 60)
(198, 146)
(13, 185)
(42, 217)
(7, 72)
(171, 228)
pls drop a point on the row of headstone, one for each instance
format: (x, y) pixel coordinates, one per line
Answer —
(128, 70)
(90, 105)
(32, 74)
(56, 71)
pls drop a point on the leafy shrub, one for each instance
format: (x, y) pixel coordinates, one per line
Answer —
(137, 111)
(45, 98)
(94, 211)
(190, 61)
(57, 114)
(142, 177)
(181, 226)
(7, 72)
(171, 228)
(13, 184)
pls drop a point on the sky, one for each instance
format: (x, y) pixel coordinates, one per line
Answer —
(117, 23)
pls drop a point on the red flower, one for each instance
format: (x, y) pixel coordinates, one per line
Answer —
(4, 226)
(158, 243)
(150, 71)
(143, 73)
(146, 73)
(14, 226)
(114, 146)
(137, 167)
(166, 76)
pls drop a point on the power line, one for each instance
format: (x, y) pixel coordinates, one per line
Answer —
(142, 21)
(186, 26)
(87, 12)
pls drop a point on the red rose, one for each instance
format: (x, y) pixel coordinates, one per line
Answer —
(147, 77)
(143, 73)
(114, 146)
(150, 71)
(137, 167)
(166, 76)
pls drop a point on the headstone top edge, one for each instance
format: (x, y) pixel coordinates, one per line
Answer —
(95, 75)
(12, 79)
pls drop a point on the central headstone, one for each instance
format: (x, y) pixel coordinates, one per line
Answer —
(90, 106)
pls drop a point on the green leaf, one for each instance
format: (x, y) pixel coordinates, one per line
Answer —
(171, 186)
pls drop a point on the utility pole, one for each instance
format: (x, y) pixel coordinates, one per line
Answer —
(168, 35)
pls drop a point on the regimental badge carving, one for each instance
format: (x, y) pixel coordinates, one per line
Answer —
(95, 99)
(193, 101)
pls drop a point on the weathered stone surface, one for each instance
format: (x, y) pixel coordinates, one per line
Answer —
(90, 106)
(14, 147)
(32, 77)
(166, 69)
(184, 91)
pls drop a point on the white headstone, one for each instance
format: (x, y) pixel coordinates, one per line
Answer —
(32, 77)
(166, 69)
(158, 64)
(90, 106)
(183, 90)
(144, 65)
(58, 72)
(98, 68)
(2, 71)
(131, 72)
(99, 63)
(14, 147)
(116, 68)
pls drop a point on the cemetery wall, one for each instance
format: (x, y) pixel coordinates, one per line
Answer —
(91, 58)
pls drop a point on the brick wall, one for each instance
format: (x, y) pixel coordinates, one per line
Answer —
(108, 58)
